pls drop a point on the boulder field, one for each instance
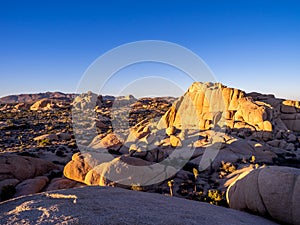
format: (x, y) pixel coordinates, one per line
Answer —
(210, 126)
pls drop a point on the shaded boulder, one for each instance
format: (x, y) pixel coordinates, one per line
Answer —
(61, 183)
(23, 167)
(31, 186)
(268, 191)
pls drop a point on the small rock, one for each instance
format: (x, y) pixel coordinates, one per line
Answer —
(170, 130)
(292, 138)
(50, 137)
(175, 141)
(61, 183)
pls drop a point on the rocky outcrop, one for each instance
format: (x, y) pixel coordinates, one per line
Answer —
(288, 111)
(86, 101)
(98, 205)
(205, 105)
(45, 104)
(268, 191)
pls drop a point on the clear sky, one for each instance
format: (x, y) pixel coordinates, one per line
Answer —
(252, 45)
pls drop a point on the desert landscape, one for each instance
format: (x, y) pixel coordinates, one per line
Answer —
(150, 112)
(214, 145)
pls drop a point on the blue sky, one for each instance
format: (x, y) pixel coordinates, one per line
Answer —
(251, 45)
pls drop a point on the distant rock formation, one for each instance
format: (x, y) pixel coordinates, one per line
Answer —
(30, 98)
(44, 104)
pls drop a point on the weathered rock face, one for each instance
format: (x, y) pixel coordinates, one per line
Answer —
(235, 150)
(206, 104)
(268, 191)
(287, 111)
(89, 205)
(290, 114)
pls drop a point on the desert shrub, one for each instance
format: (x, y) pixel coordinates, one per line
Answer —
(7, 192)
(44, 142)
(227, 167)
(136, 187)
(213, 196)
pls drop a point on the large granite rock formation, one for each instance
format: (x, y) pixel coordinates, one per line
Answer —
(205, 105)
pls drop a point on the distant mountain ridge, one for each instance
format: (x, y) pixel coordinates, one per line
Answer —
(29, 98)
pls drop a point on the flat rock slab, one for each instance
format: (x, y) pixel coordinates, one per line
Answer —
(108, 205)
